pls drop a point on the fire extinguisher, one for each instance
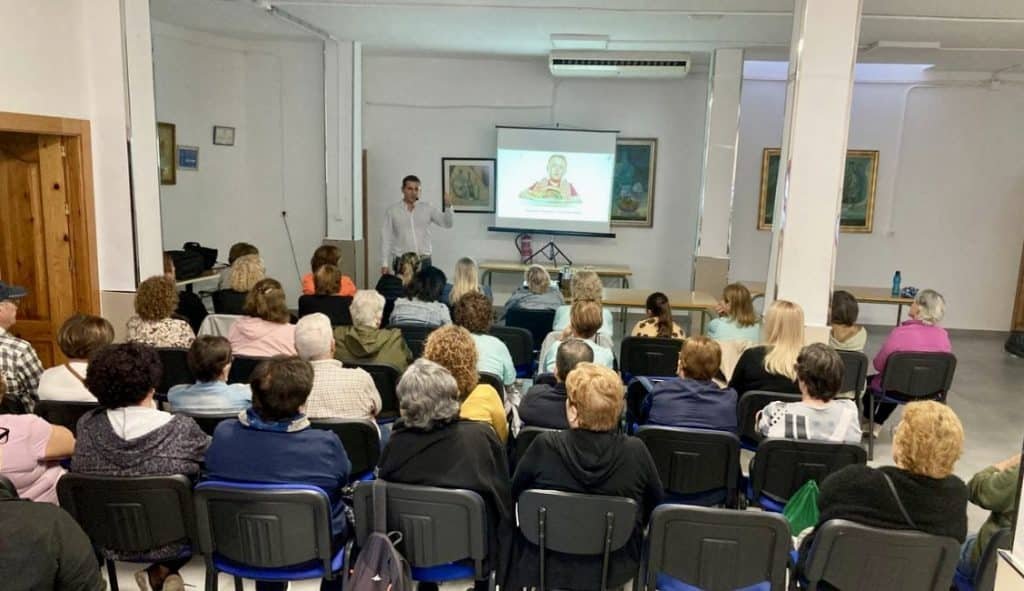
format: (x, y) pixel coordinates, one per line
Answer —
(525, 247)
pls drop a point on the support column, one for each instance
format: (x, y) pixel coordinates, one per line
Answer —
(721, 136)
(808, 196)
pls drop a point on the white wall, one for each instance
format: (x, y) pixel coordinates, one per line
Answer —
(271, 92)
(418, 110)
(949, 212)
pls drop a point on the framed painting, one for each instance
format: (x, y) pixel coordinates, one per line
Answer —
(859, 184)
(633, 182)
(470, 182)
(168, 162)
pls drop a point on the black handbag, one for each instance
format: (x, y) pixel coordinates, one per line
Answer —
(209, 255)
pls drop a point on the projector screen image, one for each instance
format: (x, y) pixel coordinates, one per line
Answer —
(554, 179)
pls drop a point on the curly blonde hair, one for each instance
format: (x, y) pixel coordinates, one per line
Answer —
(929, 439)
(246, 272)
(156, 298)
(586, 285)
(452, 347)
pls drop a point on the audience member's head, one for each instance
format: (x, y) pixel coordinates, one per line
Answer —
(819, 370)
(700, 358)
(657, 306)
(473, 312)
(571, 353)
(266, 300)
(156, 298)
(406, 267)
(929, 307)
(9, 296)
(586, 285)
(314, 337)
(327, 280)
(241, 249)
(844, 309)
(537, 279)
(453, 348)
(928, 439)
(783, 333)
(465, 280)
(585, 318)
(428, 285)
(280, 387)
(740, 305)
(209, 358)
(325, 254)
(82, 335)
(595, 398)
(427, 394)
(121, 375)
(367, 308)
(246, 272)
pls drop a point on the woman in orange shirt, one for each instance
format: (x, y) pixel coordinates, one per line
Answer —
(327, 255)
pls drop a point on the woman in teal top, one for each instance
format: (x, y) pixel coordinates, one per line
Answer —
(736, 320)
(586, 285)
(473, 312)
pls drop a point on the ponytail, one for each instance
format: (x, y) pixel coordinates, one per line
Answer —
(658, 306)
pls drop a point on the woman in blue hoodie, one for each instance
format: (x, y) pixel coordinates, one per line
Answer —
(693, 400)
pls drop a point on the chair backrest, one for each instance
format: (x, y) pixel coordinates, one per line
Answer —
(65, 414)
(636, 392)
(537, 322)
(520, 345)
(855, 371)
(242, 367)
(228, 301)
(575, 523)
(855, 557)
(747, 408)
(985, 575)
(8, 487)
(217, 325)
(336, 308)
(716, 549)
(647, 356)
(525, 437)
(385, 377)
(130, 514)
(438, 525)
(175, 369)
(783, 465)
(208, 421)
(360, 438)
(415, 336)
(493, 381)
(919, 375)
(693, 460)
(264, 525)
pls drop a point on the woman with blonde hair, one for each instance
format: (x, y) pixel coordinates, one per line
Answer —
(155, 302)
(585, 323)
(466, 280)
(585, 286)
(772, 365)
(536, 292)
(737, 320)
(246, 271)
(265, 331)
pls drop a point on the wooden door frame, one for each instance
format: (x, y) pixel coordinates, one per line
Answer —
(80, 196)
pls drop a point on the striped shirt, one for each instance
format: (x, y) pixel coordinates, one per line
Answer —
(341, 393)
(21, 369)
(838, 421)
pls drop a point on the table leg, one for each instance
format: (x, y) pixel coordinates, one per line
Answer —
(899, 313)
(625, 282)
(623, 310)
(487, 275)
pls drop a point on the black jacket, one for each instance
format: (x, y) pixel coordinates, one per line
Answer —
(750, 374)
(543, 405)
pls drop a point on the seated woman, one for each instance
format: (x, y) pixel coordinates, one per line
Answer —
(693, 400)
(209, 360)
(926, 446)
(431, 446)
(736, 320)
(365, 341)
(394, 285)
(421, 305)
(819, 416)
(473, 312)
(190, 305)
(272, 442)
(585, 286)
(466, 280)
(264, 331)
(536, 293)
(594, 458)
(658, 322)
(31, 449)
(155, 302)
(327, 254)
(326, 299)
(128, 436)
(586, 322)
(921, 334)
(845, 333)
(772, 366)
(452, 348)
(237, 251)
(80, 337)
(246, 272)
(993, 489)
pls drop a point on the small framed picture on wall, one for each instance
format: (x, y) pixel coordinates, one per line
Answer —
(188, 157)
(168, 164)
(223, 135)
(470, 182)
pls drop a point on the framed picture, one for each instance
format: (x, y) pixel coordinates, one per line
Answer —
(633, 183)
(470, 182)
(223, 136)
(858, 208)
(188, 157)
(168, 163)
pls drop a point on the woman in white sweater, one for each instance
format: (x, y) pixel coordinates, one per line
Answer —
(79, 338)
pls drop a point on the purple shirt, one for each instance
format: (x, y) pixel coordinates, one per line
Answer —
(912, 335)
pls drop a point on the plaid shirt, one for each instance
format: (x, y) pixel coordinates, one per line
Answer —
(340, 393)
(21, 369)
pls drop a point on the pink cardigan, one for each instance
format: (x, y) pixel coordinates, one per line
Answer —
(912, 335)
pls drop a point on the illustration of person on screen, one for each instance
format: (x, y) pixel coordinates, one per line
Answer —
(553, 187)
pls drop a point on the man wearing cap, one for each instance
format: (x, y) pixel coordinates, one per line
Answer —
(19, 363)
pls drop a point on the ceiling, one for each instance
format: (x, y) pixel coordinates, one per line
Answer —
(976, 35)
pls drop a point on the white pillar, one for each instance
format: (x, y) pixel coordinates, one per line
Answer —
(343, 100)
(808, 196)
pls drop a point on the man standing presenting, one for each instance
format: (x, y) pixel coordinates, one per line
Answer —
(19, 363)
(407, 225)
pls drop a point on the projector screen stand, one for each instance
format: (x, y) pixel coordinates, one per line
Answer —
(551, 252)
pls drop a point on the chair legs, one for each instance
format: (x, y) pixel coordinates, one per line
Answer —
(871, 426)
(238, 584)
(112, 575)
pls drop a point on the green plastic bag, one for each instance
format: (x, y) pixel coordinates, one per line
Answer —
(802, 508)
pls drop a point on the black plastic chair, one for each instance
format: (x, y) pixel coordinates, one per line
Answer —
(176, 369)
(208, 421)
(716, 549)
(228, 301)
(335, 307)
(855, 372)
(985, 573)
(130, 515)
(440, 528)
(525, 438)
(537, 322)
(855, 557)
(520, 345)
(782, 466)
(493, 381)
(749, 405)
(242, 367)
(648, 356)
(909, 377)
(7, 487)
(696, 466)
(361, 440)
(415, 336)
(385, 377)
(65, 414)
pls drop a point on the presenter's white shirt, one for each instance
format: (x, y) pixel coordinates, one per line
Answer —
(409, 231)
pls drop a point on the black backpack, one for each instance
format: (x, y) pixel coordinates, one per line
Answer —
(380, 567)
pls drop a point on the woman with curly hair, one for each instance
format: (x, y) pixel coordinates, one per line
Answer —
(452, 347)
(473, 312)
(586, 286)
(246, 271)
(155, 302)
(265, 331)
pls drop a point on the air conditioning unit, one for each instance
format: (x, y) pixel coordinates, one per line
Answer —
(619, 64)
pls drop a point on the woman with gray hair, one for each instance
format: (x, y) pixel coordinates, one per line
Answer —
(921, 334)
(432, 446)
(365, 341)
(536, 292)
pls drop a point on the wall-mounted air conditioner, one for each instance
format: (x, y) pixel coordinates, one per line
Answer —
(620, 64)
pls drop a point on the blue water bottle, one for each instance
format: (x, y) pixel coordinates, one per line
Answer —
(896, 284)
